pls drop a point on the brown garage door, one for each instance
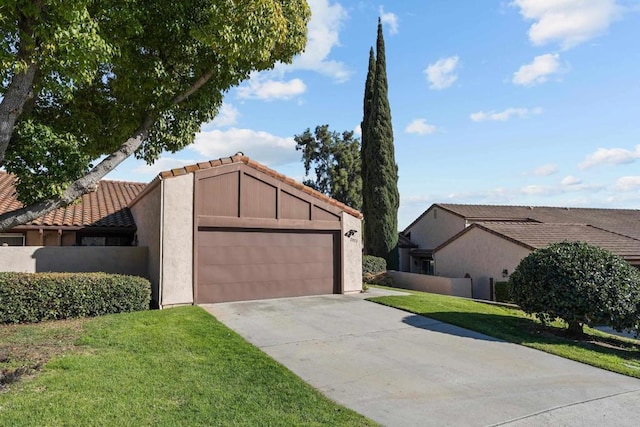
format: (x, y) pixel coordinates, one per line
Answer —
(245, 265)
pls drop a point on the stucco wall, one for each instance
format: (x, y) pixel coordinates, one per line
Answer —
(351, 254)
(177, 241)
(108, 259)
(146, 213)
(458, 287)
(482, 255)
(434, 228)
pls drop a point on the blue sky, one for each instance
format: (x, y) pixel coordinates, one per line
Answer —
(525, 102)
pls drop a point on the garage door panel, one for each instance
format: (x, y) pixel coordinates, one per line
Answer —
(262, 290)
(248, 255)
(213, 274)
(263, 239)
(236, 265)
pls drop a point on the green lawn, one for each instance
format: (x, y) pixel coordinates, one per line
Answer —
(172, 367)
(509, 324)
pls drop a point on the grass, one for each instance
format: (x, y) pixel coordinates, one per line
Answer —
(510, 324)
(172, 367)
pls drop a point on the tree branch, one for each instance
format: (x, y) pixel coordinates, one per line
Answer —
(89, 182)
(20, 90)
(81, 186)
(194, 87)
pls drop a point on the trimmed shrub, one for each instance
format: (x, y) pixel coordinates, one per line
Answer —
(579, 283)
(373, 264)
(34, 297)
(383, 279)
(502, 292)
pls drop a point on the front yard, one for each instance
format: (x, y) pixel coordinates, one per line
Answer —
(172, 367)
(598, 349)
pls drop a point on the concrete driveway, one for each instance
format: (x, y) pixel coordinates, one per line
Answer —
(400, 369)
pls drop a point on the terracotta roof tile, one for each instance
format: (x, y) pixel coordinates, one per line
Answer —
(105, 207)
(241, 158)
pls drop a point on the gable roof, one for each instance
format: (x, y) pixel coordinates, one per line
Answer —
(240, 158)
(621, 221)
(105, 207)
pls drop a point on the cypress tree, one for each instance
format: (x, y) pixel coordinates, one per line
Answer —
(366, 120)
(380, 178)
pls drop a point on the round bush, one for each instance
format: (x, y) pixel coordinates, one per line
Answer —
(580, 283)
(373, 264)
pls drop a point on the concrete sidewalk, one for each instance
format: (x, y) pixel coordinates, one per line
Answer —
(400, 369)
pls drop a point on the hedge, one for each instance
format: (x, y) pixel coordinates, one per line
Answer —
(34, 297)
(502, 292)
(373, 264)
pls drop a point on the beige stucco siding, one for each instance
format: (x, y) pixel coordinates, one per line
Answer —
(480, 254)
(146, 213)
(351, 264)
(435, 227)
(177, 241)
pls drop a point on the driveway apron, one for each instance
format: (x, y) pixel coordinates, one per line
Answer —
(401, 369)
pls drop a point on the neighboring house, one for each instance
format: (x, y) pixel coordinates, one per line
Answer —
(100, 218)
(225, 230)
(488, 242)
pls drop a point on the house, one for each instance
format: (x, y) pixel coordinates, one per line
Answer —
(488, 242)
(226, 230)
(100, 218)
(232, 229)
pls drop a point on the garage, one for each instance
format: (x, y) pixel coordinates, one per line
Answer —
(233, 229)
(257, 264)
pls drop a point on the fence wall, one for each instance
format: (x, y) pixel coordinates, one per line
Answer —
(108, 259)
(459, 287)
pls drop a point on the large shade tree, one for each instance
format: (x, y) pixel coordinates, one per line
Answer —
(335, 160)
(87, 81)
(380, 179)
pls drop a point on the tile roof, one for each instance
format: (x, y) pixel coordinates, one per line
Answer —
(105, 207)
(538, 235)
(241, 158)
(621, 221)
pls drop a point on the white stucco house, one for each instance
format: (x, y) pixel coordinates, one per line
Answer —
(488, 242)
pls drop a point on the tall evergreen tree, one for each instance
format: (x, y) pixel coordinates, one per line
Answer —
(380, 183)
(366, 120)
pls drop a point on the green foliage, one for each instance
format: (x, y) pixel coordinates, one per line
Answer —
(34, 297)
(335, 159)
(580, 283)
(373, 264)
(109, 70)
(380, 182)
(45, 162)
(502, 292)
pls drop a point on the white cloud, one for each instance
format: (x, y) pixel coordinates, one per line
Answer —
(545, 170)
(539, 70)
(442, 73)
(627, 183)
(227, 116)
(263, 147)
(162, 164)
(420, 127)
(610, 156)
(535, 190)
(504, 115)
(390, 19)
(265, 89)
(322, 36)
(568, 22)
(570, 180)
(358, 130)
